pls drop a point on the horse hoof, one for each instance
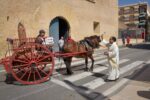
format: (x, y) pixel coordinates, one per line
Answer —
(70, 73)
(86, 69)
(91, 70)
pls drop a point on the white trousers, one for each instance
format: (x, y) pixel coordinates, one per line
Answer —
(113, 69)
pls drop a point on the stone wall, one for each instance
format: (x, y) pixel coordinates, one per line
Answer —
(37, 14)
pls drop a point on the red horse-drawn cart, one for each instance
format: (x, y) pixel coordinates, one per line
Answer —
(29, 62)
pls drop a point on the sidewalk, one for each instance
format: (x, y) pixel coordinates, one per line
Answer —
(137, 89)
(132, 41)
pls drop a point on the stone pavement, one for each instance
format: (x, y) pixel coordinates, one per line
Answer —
(137, 89)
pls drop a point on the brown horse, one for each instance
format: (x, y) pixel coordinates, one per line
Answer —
(87, 46)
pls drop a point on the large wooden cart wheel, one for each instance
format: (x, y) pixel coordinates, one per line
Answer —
(32, 64)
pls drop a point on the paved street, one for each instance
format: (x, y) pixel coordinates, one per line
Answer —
(83, 85)
(137, 89)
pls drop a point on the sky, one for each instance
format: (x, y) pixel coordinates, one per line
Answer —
(125, 2)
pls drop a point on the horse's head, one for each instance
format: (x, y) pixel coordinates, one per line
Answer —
(96, 40)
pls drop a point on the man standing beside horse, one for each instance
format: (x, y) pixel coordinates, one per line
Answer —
(113, 58)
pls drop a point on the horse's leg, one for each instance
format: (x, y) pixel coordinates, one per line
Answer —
(69, 66)
(67, 62)
(86, 63)
(92, 59)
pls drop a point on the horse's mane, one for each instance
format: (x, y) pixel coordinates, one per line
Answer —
(93, 41)
(93, 36)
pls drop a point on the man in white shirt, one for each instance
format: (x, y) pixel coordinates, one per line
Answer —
(113, 58)
(61, 43)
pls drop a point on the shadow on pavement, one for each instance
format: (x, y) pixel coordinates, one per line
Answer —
(144, 94)
(142, 75)
(74, 68)
(85, 92)
(141, 46)
(99, 75)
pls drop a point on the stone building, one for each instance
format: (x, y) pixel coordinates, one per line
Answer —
(135, 16)
(78, 18)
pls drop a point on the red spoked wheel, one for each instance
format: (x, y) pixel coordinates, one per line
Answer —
(32, 64)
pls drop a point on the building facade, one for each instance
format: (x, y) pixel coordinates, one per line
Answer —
(135, 16)
(77, 18)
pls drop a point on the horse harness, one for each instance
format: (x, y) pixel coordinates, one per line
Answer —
(86, 44)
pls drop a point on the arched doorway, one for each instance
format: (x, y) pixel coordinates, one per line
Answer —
(59, 27)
